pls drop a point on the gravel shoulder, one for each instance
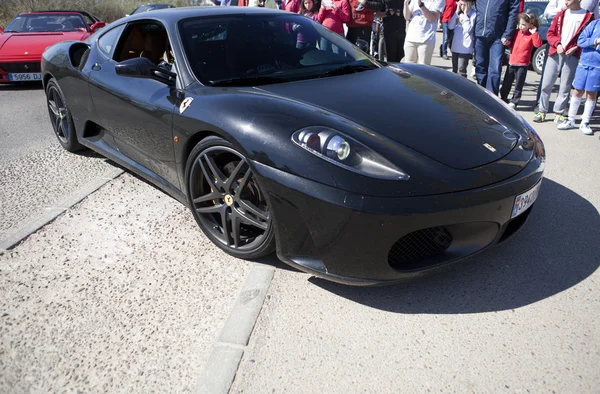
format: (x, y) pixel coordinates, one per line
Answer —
(122, 293)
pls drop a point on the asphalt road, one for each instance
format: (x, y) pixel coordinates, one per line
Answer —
(123, 293)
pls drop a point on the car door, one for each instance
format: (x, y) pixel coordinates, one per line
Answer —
(137, 112)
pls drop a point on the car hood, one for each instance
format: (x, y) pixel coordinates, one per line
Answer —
(15, 44)
(412, 111)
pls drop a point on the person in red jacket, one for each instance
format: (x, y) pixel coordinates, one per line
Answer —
(293, 6)
(525, 40)
(332, 15)
(449, 11)
(361, 22)
(563, 57)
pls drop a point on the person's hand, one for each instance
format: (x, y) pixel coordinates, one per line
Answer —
(532, 31)
(597, 41)
(461, 18)
(505, 42)
(559, 49)
(334, 6)
(571, 51)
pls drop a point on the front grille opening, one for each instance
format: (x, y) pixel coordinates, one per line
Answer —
(27, 67)
(417, 246)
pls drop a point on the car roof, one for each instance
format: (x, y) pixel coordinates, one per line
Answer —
(178, 13)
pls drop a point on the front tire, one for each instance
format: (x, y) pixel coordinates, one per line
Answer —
(227, 202)
(60, 116)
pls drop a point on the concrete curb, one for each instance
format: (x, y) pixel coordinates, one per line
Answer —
(219, 372)
(51, 213)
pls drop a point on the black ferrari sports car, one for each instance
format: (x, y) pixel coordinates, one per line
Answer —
(281, 135)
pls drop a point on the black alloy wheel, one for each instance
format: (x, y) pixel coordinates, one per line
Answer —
(61, 117)
(227, 201)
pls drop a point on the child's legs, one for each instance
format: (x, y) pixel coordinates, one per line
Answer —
(463, 63)
(548, 80)
(576, 98)
(509, 77)
(592, 85)
(454, 62)
(590, 104)
(520, 74)
(567, 74)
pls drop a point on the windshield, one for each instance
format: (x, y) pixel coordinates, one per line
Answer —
(537, 8)
(35, 23)
(262, 49)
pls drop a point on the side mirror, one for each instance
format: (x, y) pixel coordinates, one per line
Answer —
(362, 45)
(140, 67)
(97, 26)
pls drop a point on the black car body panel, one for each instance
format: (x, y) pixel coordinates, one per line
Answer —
(467, 154)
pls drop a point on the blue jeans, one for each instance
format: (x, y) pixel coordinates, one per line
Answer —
(444, 46)
(488, 62)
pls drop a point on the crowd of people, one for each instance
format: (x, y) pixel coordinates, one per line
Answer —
(482, 31)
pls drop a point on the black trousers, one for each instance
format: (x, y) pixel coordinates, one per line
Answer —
(354, 33)
(517, 75)
(394, 34)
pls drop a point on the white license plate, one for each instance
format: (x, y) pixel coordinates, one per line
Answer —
(525, 200)
(25, 77)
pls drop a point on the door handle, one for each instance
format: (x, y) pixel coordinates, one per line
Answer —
(96, 67)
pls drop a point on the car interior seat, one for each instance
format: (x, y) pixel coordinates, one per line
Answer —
(133, 46)
(38, 25)
(155, 44)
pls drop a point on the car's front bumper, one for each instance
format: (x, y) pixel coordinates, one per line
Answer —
(365, 240)
(18, 66)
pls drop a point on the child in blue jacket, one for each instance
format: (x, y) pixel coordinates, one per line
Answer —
(587, 79)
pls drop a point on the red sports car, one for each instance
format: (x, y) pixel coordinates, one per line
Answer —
(27, 36)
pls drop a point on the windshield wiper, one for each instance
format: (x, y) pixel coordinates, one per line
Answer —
(347, 69)
(246, 81)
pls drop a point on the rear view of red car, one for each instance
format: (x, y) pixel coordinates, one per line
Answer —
(26, 37)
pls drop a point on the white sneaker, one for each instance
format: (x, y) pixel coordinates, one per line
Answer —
(512, 105)
(585, 129)
(566, 125)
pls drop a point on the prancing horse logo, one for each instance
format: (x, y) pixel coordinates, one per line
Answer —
(185, 104)
(489, 147)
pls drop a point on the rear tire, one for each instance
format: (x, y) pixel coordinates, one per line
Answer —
(60, 116)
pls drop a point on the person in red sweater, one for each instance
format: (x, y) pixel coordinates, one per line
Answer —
(332, 15)
(525, 40)
(293, 6)
(449, 11)
(361, 23)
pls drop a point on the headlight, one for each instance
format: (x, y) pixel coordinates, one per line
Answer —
(345, 152)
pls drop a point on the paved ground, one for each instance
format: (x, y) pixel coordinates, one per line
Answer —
(120, 294)
(123, 293)
(35, 172)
